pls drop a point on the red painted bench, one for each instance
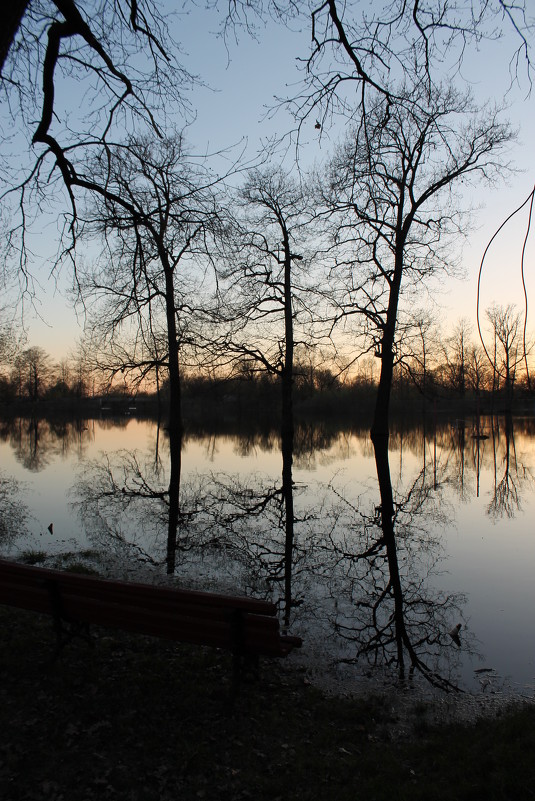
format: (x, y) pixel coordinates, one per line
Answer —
(245, 626)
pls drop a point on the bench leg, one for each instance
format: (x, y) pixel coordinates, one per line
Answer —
(67, 630)
(243, 666)
(65, 627)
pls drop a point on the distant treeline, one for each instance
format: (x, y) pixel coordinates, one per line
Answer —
(317, 392)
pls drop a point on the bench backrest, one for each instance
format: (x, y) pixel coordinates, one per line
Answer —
(188, 615)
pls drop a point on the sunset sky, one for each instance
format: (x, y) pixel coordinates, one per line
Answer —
(243, 80)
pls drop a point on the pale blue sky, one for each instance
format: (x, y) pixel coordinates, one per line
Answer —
(246, 79)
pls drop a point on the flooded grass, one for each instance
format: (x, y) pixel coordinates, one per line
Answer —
(139, 718)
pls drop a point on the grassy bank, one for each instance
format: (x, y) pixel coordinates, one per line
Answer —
(137, 718)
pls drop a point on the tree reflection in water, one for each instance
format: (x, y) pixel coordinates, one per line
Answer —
(14, 515)
(125, 500)
(401, 620)
(511, 477)
(353, 574)
(36, 441)
(376, 598)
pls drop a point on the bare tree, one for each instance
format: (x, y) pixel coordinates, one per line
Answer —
(82, 379)
(389, 192)
(509, 351)
(267, 288)
(477, 372)
(120, 52)
(156, 216)
(11, 337)
(269, 307)
(419, 346)
(156, 210)
(32, 373)
(455, 354)
(116, 56)
(360, 49)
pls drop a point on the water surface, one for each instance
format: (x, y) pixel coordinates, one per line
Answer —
(464, 542)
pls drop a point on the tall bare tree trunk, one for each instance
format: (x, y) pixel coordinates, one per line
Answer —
(175, 413)
(380, 425)
(287, 428)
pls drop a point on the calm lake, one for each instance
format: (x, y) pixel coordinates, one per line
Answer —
(369, 610)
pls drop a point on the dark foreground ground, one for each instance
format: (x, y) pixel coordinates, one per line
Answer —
(137, 718)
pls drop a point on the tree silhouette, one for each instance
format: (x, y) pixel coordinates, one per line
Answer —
(117, 56)
(388, 194)
(156, 211)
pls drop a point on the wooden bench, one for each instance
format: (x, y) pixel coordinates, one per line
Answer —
(246, 626)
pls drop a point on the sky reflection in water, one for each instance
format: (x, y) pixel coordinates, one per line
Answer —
(473, 522)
